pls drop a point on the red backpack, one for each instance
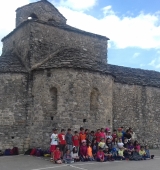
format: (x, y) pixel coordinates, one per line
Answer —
(33, 152)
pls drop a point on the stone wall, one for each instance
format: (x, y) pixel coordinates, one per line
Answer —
(47, 39)
(138, 107)
(62, 99)
(13, 111)
(18, 40)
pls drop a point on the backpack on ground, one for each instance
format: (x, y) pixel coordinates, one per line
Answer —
(1, 153)
(7, 152)
(28, 152)
(33, 152)
(39, 152)
(14, 151)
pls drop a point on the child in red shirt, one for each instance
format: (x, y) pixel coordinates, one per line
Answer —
(100, 155)
(62, 142)
(75, 140)
(57, 156)
(98, 136)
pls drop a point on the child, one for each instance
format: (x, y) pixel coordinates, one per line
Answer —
(120, 143)
(57, 156)
(103, 134)
(137, 145)
(94, 148)
(68, 139)
(100, 155)
(142, 153)
(75, 140)
(74, 154)
(119, 133)
(136, 156)
(102, 144)
(107, 154)
(98, 136)
(109, 144)
(67, 158)
(90, 136)
(148, 153)
(109, 135)
(114, 136)
(89, 152)
(120, 154)
(130, 148)
(114, 152)
(82, 136)
(83, 151)
(62, 142)
(54, 142)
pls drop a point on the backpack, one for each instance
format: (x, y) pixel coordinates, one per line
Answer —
(7, 152)
(33, 152)
(1, 153)
(39, 152)
(14, 151)
(47, 151)
(28, 152)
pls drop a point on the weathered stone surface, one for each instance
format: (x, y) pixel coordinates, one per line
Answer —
(41, 10)
(12, 110)
(138, 107)
(54, 75)
(73, 101)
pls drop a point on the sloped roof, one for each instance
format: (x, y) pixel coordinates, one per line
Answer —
(133, 76)
(65, 27)
(71, 58)
(11, 63)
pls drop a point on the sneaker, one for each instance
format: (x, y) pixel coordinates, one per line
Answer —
(152, 156)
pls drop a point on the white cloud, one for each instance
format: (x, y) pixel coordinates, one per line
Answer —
(108, 10)
(79, 5)
(7, 16)
(141, 31)
(156, 61)
(135, 55)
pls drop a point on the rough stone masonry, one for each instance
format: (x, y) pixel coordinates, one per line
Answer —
(55, 75)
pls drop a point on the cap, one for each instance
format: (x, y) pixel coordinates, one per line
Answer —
(83, 141)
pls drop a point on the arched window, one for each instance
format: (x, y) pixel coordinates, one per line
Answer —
(32, 17)
(53, 93)
(94, 100)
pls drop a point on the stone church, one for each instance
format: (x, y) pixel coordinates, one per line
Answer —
(55, 75)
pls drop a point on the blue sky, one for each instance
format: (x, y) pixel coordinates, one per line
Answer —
(133, 26)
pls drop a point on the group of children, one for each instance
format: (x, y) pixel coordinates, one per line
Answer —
(100, 146)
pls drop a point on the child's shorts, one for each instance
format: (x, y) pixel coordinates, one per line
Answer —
(52, 148)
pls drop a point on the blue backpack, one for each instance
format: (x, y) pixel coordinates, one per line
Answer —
(7, 152)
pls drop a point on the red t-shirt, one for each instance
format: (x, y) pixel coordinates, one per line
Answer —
(98, 137)
(57, 155)
(114, 136)
(61, 138)
(75, 140)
